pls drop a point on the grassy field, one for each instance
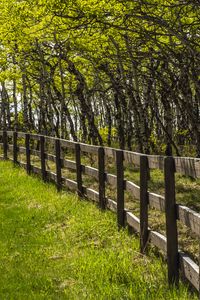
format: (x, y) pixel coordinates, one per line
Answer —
(187, 193)
(56, 246)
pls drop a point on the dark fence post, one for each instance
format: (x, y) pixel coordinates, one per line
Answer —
(5, 145)
(58, 165)
(78, 170)
(101, 167)
(15, 149)
(28, 153)
(144, 200)
(171, 224)
(42, 157)
(120, 188)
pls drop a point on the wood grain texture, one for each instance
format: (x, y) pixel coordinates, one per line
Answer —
(189, 269)
(171, 224)
(70, 184)
(58, 165)
(28, 153)
(111, 179)
(90, 171)
(188, 166)
(69, 164)
(92, 194)
(35, 136)
(144, 200)
(158, 240)
(67, 144)
(156, 162)
(101, 178)
(133, 188)
(51, 176)
(132, 158)
(120, 189)
(133, 221)
(189, 218)
(110, 152)
(111, 205)
(78, 170)
(157, 201)
(42, 157)
(89, 148)
(184, 165)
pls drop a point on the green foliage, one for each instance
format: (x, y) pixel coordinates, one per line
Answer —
(183, 133)
(105, 131)
(146, 52)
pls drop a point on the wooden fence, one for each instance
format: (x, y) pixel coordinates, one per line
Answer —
(176, 260)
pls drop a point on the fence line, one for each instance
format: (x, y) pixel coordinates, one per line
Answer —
(176, 260)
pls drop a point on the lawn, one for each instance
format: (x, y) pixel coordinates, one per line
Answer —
(57, 246)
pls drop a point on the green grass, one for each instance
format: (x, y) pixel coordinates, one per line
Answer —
(187, 193)
(56, 246)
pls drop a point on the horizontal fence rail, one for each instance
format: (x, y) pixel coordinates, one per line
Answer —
(184, 165)
(177, 261)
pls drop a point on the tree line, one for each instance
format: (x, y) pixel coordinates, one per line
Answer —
(103, 72)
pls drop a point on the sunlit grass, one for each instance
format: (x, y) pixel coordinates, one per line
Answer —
(56, 246)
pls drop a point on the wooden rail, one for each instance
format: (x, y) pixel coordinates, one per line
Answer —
(20, 143)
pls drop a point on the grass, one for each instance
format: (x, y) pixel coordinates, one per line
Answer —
(56, 246)
(187, 193)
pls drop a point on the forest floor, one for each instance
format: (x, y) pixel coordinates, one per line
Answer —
(57, 246)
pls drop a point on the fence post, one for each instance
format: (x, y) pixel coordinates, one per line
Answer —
(15, 149)
(120, 188)
(42, 157)
(58, 165)
(101, 167)
(79, 170)
(28, 153)
(144, 201)
(5, 145)
(171, 224)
